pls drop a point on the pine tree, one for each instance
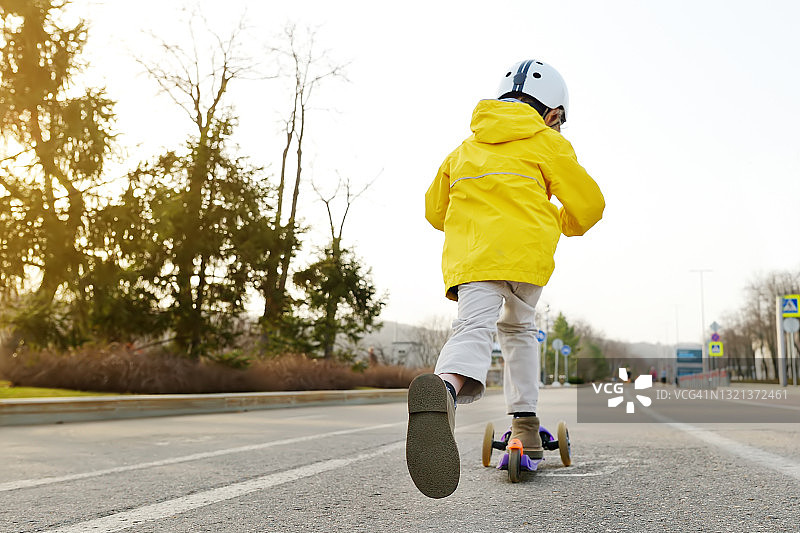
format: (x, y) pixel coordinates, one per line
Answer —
(57, 138)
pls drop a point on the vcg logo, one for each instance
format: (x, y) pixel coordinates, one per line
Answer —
(645, 381)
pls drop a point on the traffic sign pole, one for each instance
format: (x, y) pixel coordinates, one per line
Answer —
(714, 327)
(555, 364)
(789, 310)
(565, 351)
(791, 325)
(557, 345)
(781, 342)
(541, 336)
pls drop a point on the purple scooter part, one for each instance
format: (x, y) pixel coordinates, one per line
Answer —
(525, 463)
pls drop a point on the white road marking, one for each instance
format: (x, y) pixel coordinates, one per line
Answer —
(775, 462)
(157, 511)
(605, 468)
(469, 427)
(127, 519)
(27, 483)
(751, 454)
(602, 472)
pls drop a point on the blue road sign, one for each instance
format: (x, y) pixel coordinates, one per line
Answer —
(789, 305)
(566, 350)
(541, 336)
(689, 355)
(715, 349)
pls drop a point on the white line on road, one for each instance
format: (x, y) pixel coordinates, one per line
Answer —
(597, 468)
(27, 483)
(751, 454)
(157, 511)
(779, 463)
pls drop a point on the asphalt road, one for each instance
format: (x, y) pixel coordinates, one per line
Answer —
(342, 469)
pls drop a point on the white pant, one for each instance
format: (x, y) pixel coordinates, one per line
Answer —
(468, 352)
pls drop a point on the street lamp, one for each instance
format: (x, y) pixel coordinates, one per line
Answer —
(702, 271)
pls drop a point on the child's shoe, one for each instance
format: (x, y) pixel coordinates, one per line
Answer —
(526, 429)
(431, 451)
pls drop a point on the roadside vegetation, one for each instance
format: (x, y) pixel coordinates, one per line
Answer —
(166, 261)
(117, 369)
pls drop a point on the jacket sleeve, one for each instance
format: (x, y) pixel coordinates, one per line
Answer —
(582, 201)
(438, 197)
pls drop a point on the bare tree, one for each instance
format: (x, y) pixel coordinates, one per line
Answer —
(196, 80)
(759, 313)
(739, 333)
(616, 353)
(339, 292)
(350, 196)
(432, 334)
(308, 71)
(206, 200)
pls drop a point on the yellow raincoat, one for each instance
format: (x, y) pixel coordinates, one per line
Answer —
(491, 197)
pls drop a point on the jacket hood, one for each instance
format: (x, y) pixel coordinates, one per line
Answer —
(496, 121)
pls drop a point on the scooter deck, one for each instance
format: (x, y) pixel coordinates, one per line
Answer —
(525, 463)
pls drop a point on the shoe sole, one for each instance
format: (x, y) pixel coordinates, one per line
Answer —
(431, 452)
(535, 454)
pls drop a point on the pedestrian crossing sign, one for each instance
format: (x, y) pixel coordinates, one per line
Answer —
(715, 349)
(789, 305)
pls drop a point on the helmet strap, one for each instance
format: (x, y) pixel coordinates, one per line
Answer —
(537, 105)
(530, 100)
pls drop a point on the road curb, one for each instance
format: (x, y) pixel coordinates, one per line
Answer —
(32, 411)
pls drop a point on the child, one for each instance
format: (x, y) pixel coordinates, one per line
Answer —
(491, 197)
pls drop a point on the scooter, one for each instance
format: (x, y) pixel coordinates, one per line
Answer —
(515, 460)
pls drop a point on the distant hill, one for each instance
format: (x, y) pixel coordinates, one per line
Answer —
(396, 332)
(646, 350)
(389, 333)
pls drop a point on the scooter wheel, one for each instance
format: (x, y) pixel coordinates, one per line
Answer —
(563, 444)
(514, 456)
(488, 439)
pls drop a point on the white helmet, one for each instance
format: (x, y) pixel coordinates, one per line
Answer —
(538, 80)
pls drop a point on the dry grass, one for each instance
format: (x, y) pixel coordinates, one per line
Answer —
(116, 369)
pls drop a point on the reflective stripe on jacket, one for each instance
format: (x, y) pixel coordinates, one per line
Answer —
(491, 197)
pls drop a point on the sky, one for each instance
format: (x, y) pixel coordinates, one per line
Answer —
(684, 112)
